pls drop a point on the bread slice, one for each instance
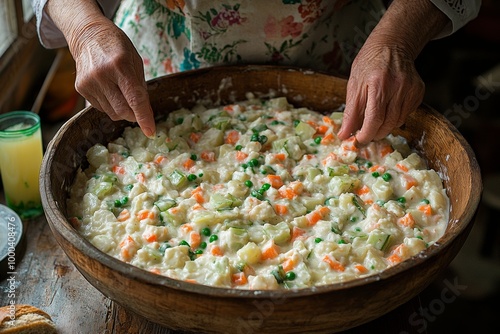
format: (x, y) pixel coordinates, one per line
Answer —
(28, 320)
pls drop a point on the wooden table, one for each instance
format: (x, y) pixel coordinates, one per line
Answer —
(47, 279)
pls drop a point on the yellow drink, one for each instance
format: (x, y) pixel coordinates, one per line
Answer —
(20, 160)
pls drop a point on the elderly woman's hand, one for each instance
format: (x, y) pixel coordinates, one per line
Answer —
(383, 88)
(109, 71)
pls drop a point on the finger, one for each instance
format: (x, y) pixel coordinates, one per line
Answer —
(391, 119)
(119, 105)
(376, 107)
(137, 99)
(354, 109)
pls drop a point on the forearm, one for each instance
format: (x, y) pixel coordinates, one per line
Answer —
(76, 19)
(408, 25)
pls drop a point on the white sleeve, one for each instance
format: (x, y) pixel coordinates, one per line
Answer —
(50, 36)
(460, 12)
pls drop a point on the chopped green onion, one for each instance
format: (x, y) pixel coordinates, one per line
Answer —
(296, 122)
(425, 201)
(163, 247)
(121, 202)
(257, 195)
(341, 242)
(184, 243)
(198, 251)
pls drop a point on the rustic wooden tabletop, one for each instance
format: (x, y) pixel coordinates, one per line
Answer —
(46, 278)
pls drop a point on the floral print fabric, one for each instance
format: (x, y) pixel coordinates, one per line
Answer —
(179, 35)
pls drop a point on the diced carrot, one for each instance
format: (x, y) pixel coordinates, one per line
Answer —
(155, 271)
(188, 163)
(186, 228)
(125, 254)
(140, 177)
(118, 170)
(240, 156)
(368, 201)
(197, 193)
(150, 237)
(328, 139)
(322, 129)
(275, 181)
(426, 209)
(402, 167)
(190, 280)
(145, 214)
(313, 124)
(281, 209)
(314, 216)
(288, 264)
(208, 156)
(394, 258)
(350, 144)
(195, 136)
(126, 241)
(269, 251)
(297, 232)
(361, 268)
(194, 239)
(364, 153)
(363, 190)
(216, 250)
(409, 181)
(353, 168)
(407, 220)
(330, 158)
(174, 210)
(197, 206)
(296, 186)
(160, 159)
(239, 279)
(280, 156)
(228, 108)
(385, 149)
(334, 264)
(287, 193)
(232, 137)
(124, 215)
(329, 121)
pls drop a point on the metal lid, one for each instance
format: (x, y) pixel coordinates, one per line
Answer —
(12, 246)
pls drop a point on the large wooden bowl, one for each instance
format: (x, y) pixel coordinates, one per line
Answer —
(182, 305)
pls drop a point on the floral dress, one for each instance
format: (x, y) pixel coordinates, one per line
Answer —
(179, 35)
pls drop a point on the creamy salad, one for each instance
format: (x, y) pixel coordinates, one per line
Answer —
(257, 195)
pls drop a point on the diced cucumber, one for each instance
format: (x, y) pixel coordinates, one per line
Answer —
(312, 173)
(102, 189)
(178, 179)
(280, 232)
(224, 202)
(212, 138)
(378, 239)
(338, 170)
(279, 103)
(165, 203)
(304, 131)
(234, 238)
(337, 116)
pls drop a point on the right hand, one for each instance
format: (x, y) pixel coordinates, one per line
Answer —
(110, 74)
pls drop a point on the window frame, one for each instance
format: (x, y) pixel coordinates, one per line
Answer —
(23, 65)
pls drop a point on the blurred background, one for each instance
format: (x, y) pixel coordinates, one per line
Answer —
(462, 77)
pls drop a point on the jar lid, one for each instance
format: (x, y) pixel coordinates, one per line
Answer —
(12, 245)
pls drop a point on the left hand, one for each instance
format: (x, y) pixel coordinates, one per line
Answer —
(383, 89)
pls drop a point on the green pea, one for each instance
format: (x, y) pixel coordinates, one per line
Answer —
(266, 186)
(318, 240)
(317, 140)
(290, 276)
(205, 231)
(191, 177)
(194, 157)
(213, 238)
(184, 243)
(203, 245)
(253, 163)
(401, 200)
(249, 183)
(386, 177)
(238, 147)
(375, 174)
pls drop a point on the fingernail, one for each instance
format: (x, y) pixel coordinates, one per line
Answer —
(148, 132)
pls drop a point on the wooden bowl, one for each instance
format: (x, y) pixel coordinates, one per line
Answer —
(181, 305)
